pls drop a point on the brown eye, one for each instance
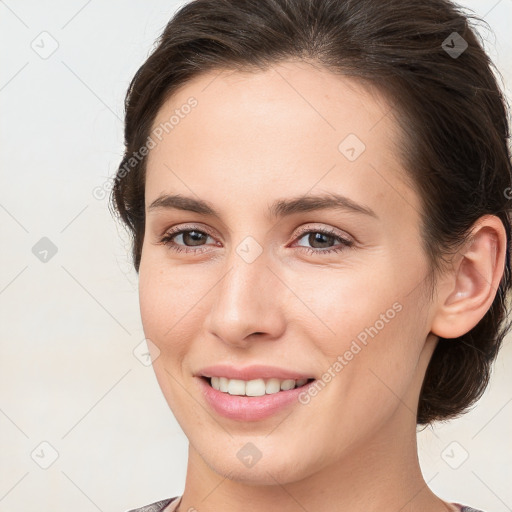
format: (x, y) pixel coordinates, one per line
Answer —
(189, 238)
(192, 237)
(323, 238)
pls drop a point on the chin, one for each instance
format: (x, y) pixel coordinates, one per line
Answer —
(271, 469)
(259, 474)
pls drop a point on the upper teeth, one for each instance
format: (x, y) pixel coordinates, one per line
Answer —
(256, 387)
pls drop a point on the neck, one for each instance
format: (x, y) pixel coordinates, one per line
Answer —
(381, 473)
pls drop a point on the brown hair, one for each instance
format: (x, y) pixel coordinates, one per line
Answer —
(452, 114)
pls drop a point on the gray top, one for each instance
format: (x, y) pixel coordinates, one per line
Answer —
(159, 506)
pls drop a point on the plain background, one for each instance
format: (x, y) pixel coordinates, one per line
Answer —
(74, 397)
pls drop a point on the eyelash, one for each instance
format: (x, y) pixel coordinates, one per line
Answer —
(167, 241)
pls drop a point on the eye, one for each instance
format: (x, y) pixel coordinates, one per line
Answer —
(194, 237)
(191, 236)
(323, 237)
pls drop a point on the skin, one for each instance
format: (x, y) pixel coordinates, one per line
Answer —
(254, 138)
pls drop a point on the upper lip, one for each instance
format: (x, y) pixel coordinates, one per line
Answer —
(252, 372)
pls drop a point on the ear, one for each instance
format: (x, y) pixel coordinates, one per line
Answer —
(467, 291)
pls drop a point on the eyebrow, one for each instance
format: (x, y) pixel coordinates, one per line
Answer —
(279, 208)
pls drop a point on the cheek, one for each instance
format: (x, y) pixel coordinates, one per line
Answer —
(169, 317)
(372, 327)
(170, 304)
(348, 304)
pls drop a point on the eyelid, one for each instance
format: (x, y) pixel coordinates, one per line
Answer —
(303, 229)
(187, 227)
(345, 242)
(324, 229)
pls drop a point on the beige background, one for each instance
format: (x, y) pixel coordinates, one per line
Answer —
(68, 376)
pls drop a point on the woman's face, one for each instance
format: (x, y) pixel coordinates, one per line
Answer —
(270, 275)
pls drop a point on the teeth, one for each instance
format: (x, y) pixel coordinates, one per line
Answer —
(236, 387)
(223, 384)
(273, 386)
(287, 384)
(256, 387)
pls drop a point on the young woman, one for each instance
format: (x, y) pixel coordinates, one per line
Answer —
(319, 193)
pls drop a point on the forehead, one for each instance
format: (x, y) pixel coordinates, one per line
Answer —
(292, 128)
(302, 90)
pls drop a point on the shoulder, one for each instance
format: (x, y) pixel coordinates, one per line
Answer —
(157, 506)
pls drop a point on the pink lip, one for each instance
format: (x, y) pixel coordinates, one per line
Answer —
(249, 408)
(251, 372)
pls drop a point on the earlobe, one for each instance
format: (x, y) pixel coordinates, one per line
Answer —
(470, 287)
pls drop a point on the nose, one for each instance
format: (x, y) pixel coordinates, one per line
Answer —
(246, 302)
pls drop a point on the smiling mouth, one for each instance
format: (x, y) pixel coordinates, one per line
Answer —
(255, 387)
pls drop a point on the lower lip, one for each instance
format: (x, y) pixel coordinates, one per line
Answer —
(249, 408)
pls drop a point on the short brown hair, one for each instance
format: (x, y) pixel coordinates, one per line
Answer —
(452, 114)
